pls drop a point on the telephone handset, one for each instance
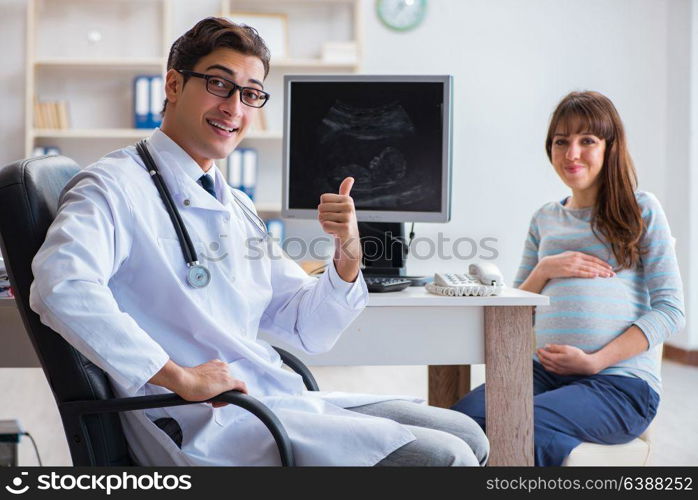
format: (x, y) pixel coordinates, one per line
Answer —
(487, 273)
(482, 280)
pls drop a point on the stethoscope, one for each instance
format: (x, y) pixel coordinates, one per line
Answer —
(198, 275)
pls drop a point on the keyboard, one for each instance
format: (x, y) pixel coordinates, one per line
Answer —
(381, 284)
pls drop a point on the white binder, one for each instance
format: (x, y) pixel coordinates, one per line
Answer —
(157, 97)
(249, 171)
(235, 169)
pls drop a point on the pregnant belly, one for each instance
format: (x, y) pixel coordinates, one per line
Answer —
(587, 313)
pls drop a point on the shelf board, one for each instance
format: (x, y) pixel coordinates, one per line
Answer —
(152, 62)
(264, 134)
(121, 62)
(311, 63)
(127, 133)
(268, 207)
(92, 133)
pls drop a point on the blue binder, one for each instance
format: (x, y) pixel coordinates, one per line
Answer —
(156, 98)
(141, 102)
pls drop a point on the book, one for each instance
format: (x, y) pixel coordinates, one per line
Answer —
(43, 114)
(62, 111)
(38, 118)
(53, 114)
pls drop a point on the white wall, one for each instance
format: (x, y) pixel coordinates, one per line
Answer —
(691, 334)
(678, 174)
(12, 37)
(512, 61)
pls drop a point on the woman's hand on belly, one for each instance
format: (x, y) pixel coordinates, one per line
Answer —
(568, 360)
(574, 265)
(565, 265)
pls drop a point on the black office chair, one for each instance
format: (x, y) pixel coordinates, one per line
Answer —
(29, 191)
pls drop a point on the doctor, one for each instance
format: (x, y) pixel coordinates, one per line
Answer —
(113, 279)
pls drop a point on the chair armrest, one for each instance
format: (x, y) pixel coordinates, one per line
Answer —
(299, 367)
(78, 409)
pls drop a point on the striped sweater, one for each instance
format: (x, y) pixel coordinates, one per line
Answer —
(590, 313)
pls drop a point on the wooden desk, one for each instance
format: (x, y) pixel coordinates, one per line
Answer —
(413, 327)
(17, 351)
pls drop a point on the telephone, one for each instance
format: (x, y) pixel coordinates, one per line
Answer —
(482, 280)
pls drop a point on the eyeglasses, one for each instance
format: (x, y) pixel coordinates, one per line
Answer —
(221, 87)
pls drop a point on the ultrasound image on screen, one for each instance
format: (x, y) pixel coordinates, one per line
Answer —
(387, 135)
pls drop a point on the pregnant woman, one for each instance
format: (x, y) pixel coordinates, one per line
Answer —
(605, 257)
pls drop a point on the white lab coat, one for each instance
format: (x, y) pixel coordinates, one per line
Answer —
(110, 278)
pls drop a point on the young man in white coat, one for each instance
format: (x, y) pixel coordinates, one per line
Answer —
(112, 280)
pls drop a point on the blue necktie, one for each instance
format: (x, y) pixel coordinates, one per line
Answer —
(207, 183)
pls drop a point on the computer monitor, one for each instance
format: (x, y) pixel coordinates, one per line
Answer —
(391, 133)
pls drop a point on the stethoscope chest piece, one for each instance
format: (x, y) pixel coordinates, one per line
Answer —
(198, 276)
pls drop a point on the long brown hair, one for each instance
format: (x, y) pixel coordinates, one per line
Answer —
(616, 213)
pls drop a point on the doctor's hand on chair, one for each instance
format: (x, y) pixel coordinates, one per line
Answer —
(198, 383)
(337, 217)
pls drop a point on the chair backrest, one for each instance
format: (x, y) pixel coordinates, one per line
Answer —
(29, 193)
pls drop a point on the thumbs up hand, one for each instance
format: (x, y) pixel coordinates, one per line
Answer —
(337, 217)
(346, 185)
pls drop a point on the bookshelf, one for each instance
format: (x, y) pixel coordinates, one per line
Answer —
(310, 25)
(92, 68)
(106, 43)
(123, 62)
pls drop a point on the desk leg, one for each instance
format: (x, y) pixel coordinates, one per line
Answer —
(509, 387)
(447, 384)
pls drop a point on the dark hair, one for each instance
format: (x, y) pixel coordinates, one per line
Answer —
(213, 33)
(616, 213)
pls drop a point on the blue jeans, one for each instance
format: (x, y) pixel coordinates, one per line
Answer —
(569, 410)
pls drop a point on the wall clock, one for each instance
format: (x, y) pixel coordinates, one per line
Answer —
(401, 15)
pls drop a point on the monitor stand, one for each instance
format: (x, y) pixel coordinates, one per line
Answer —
(385, 250)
